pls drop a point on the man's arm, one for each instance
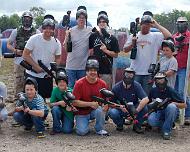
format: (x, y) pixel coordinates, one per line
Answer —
(28, 58)
(141, 105)
(79, 103)
(162, 29)
(58, 59)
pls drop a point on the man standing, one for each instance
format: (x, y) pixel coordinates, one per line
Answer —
(104, 47)
(46, 48)
(181, 39)
(88, 109)
(148, 44)
(78, 53)
(20, 36)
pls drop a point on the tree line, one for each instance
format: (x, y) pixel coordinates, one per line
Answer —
(167, 20)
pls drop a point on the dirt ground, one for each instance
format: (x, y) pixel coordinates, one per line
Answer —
(18, 140)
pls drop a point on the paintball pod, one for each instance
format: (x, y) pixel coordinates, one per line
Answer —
(153, 70)
(68, 99)
(53, 66)
(157, 104)
(133, 30)
(66, 23)
(22, 99)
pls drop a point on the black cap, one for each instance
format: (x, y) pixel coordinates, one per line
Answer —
(33, 81)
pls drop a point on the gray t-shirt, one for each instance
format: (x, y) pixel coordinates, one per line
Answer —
(169, 64)
(76, 60)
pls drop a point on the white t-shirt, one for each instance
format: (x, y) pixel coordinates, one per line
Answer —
(43, 50)
(12, 40)
(147, 50)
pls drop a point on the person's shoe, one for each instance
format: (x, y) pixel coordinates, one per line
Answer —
(40, 134)
(16, 124)
(166, 136)
(46, 123)
(54, 132)
(187, 121)
(128, 121)
(138, 129)
(119, 128)
(103, 133)
(28, 128)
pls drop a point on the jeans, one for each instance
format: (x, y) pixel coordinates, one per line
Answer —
(28, 120)
(180, 85)
(3, 114)
(117, 115)
(82, 121)
(144, 80)
(61, 123)
(164, 118)
(74, 75)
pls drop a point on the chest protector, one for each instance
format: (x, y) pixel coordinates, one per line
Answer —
(23, 36)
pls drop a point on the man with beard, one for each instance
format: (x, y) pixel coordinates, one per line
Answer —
(165, 118)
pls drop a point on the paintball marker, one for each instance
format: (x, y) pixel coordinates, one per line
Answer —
(131, 110)
(66, 23)
(104, 34)
(157, 104)
(11, 55)
(27, 66)
(49, 72)
(153, 70)
(68, 99)
(22, 99)
(133, 30)
(180, 43)
(107, 94)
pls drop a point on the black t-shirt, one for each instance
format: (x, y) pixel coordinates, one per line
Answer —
(105, 61)
(167, 93)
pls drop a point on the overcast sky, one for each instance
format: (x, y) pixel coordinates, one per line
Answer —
(120, 12)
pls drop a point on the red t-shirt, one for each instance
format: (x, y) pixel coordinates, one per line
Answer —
(83, 90)
(182, 55)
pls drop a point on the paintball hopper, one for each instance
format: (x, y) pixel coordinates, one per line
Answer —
(106, 93)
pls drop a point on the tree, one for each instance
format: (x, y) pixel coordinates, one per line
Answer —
(38, 14)
(169, 20)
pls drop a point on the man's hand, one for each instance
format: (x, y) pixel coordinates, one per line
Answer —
(122, 107)
(103, 47)
(19, 52)
(94, 105)
(39, 69)
(134, 40)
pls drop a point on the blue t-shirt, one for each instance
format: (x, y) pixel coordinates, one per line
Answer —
(36, 104)
(132, 94)
(166, 93)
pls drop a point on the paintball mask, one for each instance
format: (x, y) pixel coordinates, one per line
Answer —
(61, 75)
(102, 15)
(92, 64)
(129, 76)
(48, 22)
(182, 24)
(160, 81)
(27, 19)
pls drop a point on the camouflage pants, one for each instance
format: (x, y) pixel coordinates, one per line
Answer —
(108, 79)
(18, 79)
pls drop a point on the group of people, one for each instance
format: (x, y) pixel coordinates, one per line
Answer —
(89, 69)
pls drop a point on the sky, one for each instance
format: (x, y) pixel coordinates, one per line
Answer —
(120, 12)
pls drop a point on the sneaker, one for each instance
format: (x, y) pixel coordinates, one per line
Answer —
(28, 128)
(16, 124)
(138, 129)
(103, 133)
(119, 128)
(166, 136)
(40, 134)
(128, 121)
(187, 121)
